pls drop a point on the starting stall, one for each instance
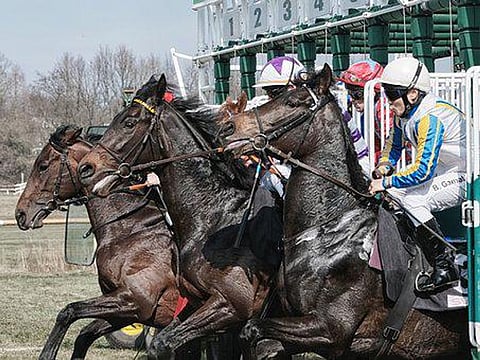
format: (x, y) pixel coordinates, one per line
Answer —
(236, 37)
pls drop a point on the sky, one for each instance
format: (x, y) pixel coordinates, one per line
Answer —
(34, 34)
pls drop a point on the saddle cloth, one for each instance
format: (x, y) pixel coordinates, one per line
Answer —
(391, 255)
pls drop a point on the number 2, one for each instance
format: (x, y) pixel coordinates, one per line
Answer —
(257, 13)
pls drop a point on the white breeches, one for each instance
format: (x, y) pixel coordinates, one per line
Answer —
(439, 193)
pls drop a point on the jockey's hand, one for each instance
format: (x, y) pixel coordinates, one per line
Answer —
(152, 179)
(376, 186)
(383, 168)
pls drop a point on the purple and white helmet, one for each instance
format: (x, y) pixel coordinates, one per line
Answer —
(279, 71)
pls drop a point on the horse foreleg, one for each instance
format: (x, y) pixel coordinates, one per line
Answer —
(92, 332)
(297, 334)
(104, 307)
(215, 314)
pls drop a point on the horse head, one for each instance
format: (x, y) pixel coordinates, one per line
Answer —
(292, 116)
(128, 140)
(53, 178)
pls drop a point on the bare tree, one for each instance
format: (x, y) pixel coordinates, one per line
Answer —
(74, 91)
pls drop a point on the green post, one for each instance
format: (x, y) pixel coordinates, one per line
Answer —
(221, 70)
(248, 66)
(422, 37)
(473, 237)
(378, 41)
(341, 51)
(275, 52)
(307, 53)
(468, 17)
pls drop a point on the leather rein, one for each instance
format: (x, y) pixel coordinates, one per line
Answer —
(261, 142)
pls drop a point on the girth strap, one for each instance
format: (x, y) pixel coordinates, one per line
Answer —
(398, 314)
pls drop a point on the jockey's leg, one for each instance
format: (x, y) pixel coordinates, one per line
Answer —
(441, 192)
(438, 255)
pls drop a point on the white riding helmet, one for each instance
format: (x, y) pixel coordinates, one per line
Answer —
(279, 71)
(407, 72)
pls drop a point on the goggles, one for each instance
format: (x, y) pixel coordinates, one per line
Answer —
(355, 94)
(394, 93)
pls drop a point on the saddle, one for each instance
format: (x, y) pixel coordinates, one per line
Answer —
(396, 251)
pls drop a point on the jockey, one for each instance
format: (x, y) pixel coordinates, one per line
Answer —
(355, 78)
(278, 75)
(436, 180)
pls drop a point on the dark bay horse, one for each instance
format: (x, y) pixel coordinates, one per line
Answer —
(227, 286)
(335, 298)
(136, 257)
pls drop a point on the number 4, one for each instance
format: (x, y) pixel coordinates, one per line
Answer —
(318, 4)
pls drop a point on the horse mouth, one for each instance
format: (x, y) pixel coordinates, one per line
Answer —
(103, 187)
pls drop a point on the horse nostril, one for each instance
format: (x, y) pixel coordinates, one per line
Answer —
(21, 217)
(86, 171)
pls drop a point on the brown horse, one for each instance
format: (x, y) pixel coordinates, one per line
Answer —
(227, 286)
(136, 257)
(336, 299)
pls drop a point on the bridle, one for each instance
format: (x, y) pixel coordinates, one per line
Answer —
(261, 141)
(126, 169)
(264, 137)
(140, 145)
(56, 203)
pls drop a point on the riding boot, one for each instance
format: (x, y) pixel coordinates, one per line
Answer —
(438, 255)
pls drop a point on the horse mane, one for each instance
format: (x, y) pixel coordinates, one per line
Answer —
(355, 170)
(201, 116)
(204, 119)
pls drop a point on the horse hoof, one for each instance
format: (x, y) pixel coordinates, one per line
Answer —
(270, 349)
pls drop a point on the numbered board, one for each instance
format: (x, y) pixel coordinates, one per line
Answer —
(259, 19)
(286, 14)
(231, 25)
(317, 9)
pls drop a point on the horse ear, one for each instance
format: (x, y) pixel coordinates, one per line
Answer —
(161, 86)
(242, 102)
(71, 135)
(324, 79)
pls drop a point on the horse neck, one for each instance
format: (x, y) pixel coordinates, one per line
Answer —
(119, 214)
(310, 199)
(195, 191)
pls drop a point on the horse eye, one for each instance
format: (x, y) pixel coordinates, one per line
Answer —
(228, 128)
(43, 166)
(129, 124)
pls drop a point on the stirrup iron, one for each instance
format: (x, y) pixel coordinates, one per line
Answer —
(421, 280)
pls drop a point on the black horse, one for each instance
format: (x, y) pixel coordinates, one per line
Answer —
(136, 257)
(336, 300)
(205, 200)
